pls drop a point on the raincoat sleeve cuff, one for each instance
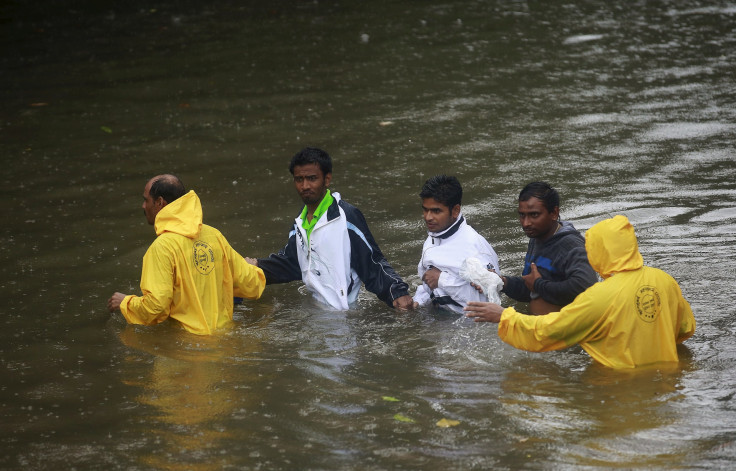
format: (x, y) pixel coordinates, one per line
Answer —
(504, 322)
(124, 309)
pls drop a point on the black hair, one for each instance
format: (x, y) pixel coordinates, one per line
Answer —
(312, 155)
(168, 187)
(542, 191)
(446, 190)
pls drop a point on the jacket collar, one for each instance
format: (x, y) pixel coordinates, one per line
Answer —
(450, 231)
(333, 211)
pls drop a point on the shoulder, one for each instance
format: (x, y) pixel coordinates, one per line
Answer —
(660, 275)
(600, 293)
(568, 231)
(468, 235)
(570, 239)
(168, 243)
(209, 230)
(352, 214)
(166, 238)
(347, 207)
(470, 231)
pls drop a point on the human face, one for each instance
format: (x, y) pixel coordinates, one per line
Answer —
(536, 221)
(151, 207)
(311, 184)
(438, 216)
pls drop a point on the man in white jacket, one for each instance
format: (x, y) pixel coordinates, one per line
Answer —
(451, 240)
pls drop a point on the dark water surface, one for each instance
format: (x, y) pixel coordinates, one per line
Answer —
(626, 107)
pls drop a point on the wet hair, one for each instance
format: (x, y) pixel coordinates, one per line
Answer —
(446, 190)
(312, 155)
(542, 191)
(168, 187)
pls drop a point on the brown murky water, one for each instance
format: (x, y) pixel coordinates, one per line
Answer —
(624, 108)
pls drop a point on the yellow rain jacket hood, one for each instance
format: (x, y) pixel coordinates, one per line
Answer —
(612, 247)
(636, 316)
(190, 273)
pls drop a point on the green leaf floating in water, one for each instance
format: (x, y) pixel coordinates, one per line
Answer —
(390, 399)
(403, 418)
(106, 129)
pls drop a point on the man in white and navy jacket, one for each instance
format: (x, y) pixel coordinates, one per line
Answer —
(330, 247)
(451, 240)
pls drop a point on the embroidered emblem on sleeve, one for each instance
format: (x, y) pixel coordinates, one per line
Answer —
(203, 257)
(648, 304)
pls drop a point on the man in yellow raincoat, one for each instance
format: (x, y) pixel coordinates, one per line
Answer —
(634, 317)
(190, 272)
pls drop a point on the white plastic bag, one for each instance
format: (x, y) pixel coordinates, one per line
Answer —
(473, 271)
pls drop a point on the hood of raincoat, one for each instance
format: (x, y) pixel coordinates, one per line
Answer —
(182, 216)
(612, 247)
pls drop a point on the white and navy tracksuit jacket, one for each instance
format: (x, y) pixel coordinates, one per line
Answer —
(339, 255)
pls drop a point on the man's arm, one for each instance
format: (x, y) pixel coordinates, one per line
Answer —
(575, 323)
(249, 281)
(157, 285)
(483, 312)
(515, 288)
(282, 267)
(422, 295)
(685, 317)
(460, 290)
(579, 277)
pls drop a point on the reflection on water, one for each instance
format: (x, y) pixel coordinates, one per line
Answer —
(624, 108)
(190, 387)
(609, 418)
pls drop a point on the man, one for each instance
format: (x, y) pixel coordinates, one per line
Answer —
(451, 240)
(330, 247)
(190, 272)
(634, 317)
(556, 267)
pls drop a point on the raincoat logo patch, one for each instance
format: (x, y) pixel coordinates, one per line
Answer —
(648, 303)
(203, 257)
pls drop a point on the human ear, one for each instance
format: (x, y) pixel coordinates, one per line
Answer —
(556, 213)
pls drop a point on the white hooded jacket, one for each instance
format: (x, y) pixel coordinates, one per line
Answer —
(446, 251)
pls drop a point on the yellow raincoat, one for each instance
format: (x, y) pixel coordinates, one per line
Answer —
(190, 273)
(636, 316)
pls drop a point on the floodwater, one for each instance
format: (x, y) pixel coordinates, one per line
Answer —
(625, 107)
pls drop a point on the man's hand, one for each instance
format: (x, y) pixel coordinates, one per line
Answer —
(531, 278)
(404, 303)
(113, 304)
(432, 277)
(252, 261)
(483, 312)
